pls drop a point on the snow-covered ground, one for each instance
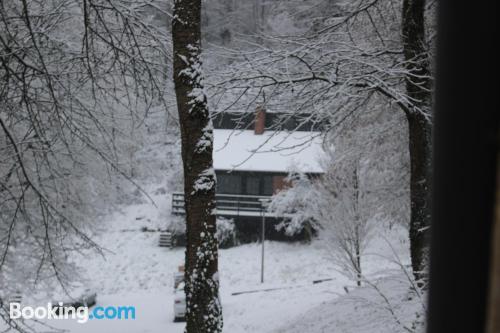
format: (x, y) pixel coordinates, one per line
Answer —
(137, 272)
(387, 306)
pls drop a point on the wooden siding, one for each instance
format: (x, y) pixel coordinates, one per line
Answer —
(280, 183)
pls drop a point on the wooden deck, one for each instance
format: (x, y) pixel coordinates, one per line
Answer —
(228, 205)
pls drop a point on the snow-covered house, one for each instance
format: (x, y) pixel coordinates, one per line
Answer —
(253, 154)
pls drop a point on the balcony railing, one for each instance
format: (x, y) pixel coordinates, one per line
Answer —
(228, 205)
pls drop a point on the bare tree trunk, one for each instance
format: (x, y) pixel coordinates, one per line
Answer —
(357, 234)
(358, 265)
(418, 87)
(204, 312)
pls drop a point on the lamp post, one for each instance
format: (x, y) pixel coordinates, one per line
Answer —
(264, 202)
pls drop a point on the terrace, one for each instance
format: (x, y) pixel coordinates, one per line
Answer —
(229, 205)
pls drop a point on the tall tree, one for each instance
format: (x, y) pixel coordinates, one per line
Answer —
(72, 73)
(418, 89)
(204, 312)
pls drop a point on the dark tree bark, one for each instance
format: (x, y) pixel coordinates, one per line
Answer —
(204, 312)
(357, 238)
(418, 87)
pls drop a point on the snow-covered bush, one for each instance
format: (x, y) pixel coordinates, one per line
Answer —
(294, 202)
(177, 225)
(226, 232)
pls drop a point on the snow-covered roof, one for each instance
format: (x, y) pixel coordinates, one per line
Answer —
(272, 151)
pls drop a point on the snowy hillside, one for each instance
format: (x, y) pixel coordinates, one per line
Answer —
(136, 271)
(386, 307)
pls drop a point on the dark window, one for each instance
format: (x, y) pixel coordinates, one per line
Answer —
(228, 184)
(253, 185)
(290, 124)
(267, 188)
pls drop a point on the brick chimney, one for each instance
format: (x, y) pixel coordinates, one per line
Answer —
(260, 120)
